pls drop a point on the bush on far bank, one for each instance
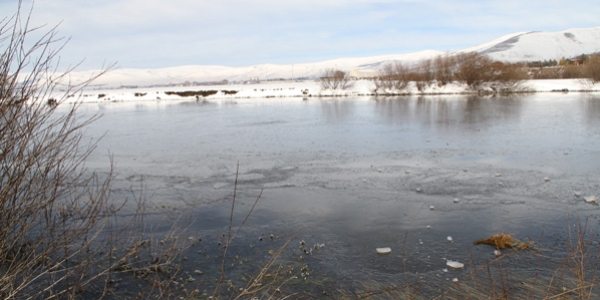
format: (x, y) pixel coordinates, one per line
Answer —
(473, 69)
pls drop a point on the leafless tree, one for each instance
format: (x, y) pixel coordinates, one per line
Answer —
(332, 79)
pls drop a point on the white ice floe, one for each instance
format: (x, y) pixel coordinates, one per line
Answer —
(455, 264)
(384, 250)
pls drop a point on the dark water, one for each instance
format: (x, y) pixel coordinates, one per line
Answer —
(346, 171)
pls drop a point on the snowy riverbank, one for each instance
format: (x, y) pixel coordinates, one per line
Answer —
(305, 89)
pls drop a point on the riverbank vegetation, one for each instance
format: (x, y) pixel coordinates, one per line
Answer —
(476, 71)
(580, 67)
(65, 234)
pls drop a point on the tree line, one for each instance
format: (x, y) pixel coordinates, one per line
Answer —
(477, 71)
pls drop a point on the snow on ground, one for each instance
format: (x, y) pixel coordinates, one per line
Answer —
(304, 89)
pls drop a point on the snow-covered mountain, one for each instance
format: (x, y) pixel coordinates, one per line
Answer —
(533, 46)
(523, 46)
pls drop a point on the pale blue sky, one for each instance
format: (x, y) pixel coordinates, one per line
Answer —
(157, 33)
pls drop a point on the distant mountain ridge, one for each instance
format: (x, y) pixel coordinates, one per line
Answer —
(538, 45)
(522, 46)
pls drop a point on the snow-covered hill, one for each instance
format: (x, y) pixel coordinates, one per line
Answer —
(122, 77)
(533, 46)
(523, 46)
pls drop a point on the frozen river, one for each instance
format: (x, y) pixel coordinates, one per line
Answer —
(360, 173)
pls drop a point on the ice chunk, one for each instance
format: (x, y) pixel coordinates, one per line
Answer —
(219, 185)
(384, 250)
(455, 264)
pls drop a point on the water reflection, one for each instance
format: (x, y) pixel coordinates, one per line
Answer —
(488, 110)
(202, 102)
(337, 110)
(436, 111)
(394, 110)
(591, 109)
(448, 111)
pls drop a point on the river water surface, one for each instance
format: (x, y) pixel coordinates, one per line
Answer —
(355, 174)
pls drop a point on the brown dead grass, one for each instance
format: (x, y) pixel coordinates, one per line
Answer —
(503, 241)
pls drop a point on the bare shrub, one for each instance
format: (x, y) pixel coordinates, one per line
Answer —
(444, 66)
(507, 77)
(473, 68)
(572, 72)
(394, 78)
(479, 71)
(63, 234)
(425, 74)
(591, 69)
(476, 70)
(398, 76)
(335, 79)
(53, 209)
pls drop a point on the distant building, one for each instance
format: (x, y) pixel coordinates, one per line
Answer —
(363, 74)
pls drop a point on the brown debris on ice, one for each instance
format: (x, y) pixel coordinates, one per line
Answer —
(503, 241)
